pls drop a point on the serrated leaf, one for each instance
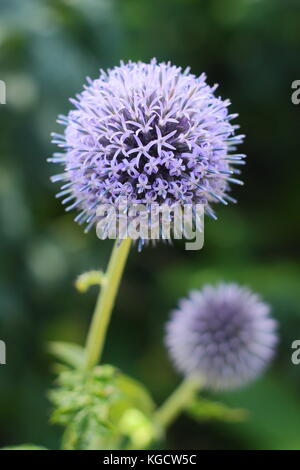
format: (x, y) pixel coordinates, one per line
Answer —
(92, 405)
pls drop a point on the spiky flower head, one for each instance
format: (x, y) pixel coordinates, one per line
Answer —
(148, 133)
(222, 334)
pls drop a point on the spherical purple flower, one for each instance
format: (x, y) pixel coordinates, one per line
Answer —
(222, 334)
(147, 133)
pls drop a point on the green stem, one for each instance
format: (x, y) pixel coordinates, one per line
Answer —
(177, 401)
(105, 303)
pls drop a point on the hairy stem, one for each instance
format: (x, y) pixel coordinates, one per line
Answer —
(105, 303)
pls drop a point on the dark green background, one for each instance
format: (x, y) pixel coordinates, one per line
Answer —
(47, 48)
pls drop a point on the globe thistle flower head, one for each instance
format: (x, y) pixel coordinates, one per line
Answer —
(150, 133)
(223, 334)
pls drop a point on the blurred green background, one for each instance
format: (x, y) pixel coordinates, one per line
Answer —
(47, 48)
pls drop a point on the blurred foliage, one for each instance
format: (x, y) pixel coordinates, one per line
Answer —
(47, 48)
(24, 447)
(204, 409)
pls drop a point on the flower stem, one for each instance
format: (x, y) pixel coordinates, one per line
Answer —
(105, 303)
(177, 401)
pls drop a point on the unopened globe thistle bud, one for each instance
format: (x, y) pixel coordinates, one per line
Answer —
(150, 133)
(224, 335)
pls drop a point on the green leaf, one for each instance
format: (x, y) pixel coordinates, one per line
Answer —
(101, 408)
(203, 409)
(82, 401)
(69, 353)
(136, 393)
